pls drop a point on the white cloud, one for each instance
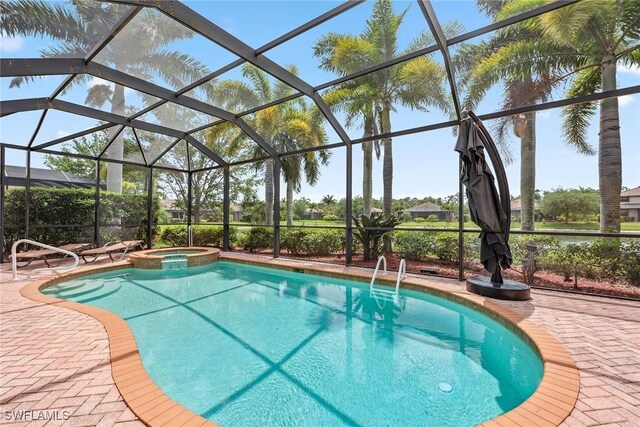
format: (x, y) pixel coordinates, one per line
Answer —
(544, 115)
(62, 133)
(623, 101)
(11, 44)
(629, 69)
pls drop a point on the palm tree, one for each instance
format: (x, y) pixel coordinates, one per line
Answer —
(301, 129)
(287, 126)
(582, 43)
(138, 50)
(417, 83)
(598, 35)
(328, 200)
(482, 67)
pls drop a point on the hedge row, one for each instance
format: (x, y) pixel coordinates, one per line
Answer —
(201, 235)
(600, 259)
(62, 215)
(297, 242)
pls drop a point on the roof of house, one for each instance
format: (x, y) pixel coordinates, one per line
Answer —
(167, 204)
(631, 193)
(516, 204)
(426, 207)
(16, 176)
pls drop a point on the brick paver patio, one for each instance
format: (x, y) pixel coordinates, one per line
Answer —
(55, 361)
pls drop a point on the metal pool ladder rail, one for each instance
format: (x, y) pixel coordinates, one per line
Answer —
(14, 261)
(402, 269)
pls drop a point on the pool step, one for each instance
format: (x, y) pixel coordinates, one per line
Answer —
(57, 289)
(101, 295)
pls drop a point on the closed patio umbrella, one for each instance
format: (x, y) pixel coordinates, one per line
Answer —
(486, 208)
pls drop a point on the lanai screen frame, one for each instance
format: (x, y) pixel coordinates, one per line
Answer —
(200, 25)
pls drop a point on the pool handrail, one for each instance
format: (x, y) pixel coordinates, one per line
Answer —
(14, 261)
(402, 269)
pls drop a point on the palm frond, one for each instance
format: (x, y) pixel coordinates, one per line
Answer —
(43, 19)
(576, 117)
(176, 68)
(260, 81)
(233, 95)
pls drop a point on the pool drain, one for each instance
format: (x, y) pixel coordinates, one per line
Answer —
(445, 387)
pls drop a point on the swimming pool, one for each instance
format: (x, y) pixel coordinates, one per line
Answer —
(243, 345)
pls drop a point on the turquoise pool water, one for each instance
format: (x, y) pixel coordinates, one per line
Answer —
(246, 346)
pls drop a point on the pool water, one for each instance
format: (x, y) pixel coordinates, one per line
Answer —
(245, 346)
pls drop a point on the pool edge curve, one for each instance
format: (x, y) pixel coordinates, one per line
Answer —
(550, 404)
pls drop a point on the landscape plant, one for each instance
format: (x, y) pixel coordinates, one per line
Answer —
(369, 230)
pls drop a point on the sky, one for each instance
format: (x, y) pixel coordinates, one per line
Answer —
(424, 164)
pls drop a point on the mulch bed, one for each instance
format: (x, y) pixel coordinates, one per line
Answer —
(542, 279)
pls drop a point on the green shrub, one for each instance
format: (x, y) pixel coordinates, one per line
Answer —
(471, 244)
(312, 242)
(292, 241)
(406, 216)
(419, 219)
(257, 238)
(202, 235)
(606, 255)
(415, 245)
(630, 261)
(571, 260)
(174, 235)
(121, 216)
(519, 242)
(446, 246)
(432, 218)
(330, 217)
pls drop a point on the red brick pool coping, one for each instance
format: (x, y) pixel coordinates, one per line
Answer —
(551, 403)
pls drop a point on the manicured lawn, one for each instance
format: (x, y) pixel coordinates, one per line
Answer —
(593, 226)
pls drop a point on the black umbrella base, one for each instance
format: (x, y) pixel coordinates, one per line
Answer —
(509, 290)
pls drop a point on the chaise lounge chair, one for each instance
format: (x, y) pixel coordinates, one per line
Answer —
(47, 254)
(112, 249)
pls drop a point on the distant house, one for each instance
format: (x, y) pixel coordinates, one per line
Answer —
(630, 204)
(236, 212)
(180, 215)
(516, 208)
(314, 213)
(425, 210)
(177, 214)
(16, 176)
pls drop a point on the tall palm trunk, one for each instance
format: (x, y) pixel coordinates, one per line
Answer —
(367, 164)
(609, 153)
(289, 202)
(387, 169)
(268, 192)
(116, 149)
(528, 171)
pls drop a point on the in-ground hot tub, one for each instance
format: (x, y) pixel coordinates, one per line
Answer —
(153, 258)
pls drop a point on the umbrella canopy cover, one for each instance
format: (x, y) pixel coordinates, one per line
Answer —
(484, 200)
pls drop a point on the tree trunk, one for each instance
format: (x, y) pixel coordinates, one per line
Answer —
(387, 170)
(268, 191)
(367, 164)
(528, 172)
(289, 203)
(609, 153)
(116, 149)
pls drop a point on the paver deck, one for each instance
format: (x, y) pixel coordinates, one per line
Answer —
(55, 361)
